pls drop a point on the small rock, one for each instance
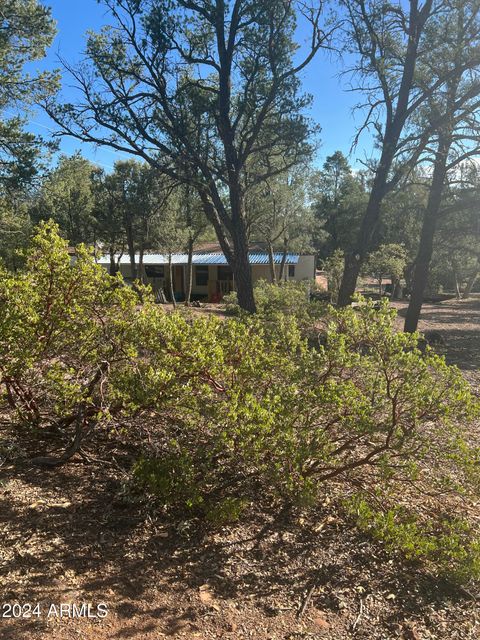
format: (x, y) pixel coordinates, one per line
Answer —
(206, 595)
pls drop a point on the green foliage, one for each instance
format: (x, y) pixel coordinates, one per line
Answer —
(67, 197)
(450, 545)
(27, 31)
(63, 325)
(174, 481)
(227, 511)
(290, 298)
(278, 213)
(339, 200)
(15, 228)
(388, 260)
(242, 410)
(171, 479)
(333, 267)
(136, 210)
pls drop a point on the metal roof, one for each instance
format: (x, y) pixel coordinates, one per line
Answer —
(202, 258)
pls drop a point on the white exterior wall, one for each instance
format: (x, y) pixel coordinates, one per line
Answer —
(261, 272)
(305, 269)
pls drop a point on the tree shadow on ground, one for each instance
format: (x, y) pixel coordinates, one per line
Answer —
(458, 322)
(73, 537)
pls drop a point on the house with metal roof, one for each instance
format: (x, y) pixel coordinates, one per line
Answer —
(212, 277)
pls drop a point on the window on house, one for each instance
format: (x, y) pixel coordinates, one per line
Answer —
(201, 276)
(155, 270)
(291, 270)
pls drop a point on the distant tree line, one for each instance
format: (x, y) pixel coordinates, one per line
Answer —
(207, 97)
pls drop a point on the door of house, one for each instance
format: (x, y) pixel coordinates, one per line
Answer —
(178, 285)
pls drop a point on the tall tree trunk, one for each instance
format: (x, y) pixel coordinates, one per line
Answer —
(393, 129)
(236, 251)
(189, 274)
(243, 273)
(348, 283)
(140, 264)
(131, 248)
(408, 275)
(117, 262)
(425, 248)
(271, 262)
(241, 263)
(113, 264)
(396, 288)
(131, 252)
(284, 260)
(458, 294)
(470, 282)
(355, 258)
(170, 280)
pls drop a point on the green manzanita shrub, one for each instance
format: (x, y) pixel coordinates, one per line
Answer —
(64, 325)
(252, 406)
(242, 410)
(226, 511)
(289, 297)
(448, 543)
(171, 478)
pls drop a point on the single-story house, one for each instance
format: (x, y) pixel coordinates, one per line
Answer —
(212, 276)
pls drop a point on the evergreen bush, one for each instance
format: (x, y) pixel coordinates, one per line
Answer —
(241, 410)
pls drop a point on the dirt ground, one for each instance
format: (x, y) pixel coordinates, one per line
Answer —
(71, 536)
(458, 322)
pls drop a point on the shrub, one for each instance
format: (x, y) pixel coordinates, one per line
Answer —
(252, 406)
(448, 544)
(227, 511)
(290, 298)
(64, 326)
(171, 479)
(241, 410)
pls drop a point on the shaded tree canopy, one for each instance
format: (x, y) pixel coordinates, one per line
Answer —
(388, 260)
(339, 201)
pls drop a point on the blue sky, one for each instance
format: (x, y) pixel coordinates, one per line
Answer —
(332, 104)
